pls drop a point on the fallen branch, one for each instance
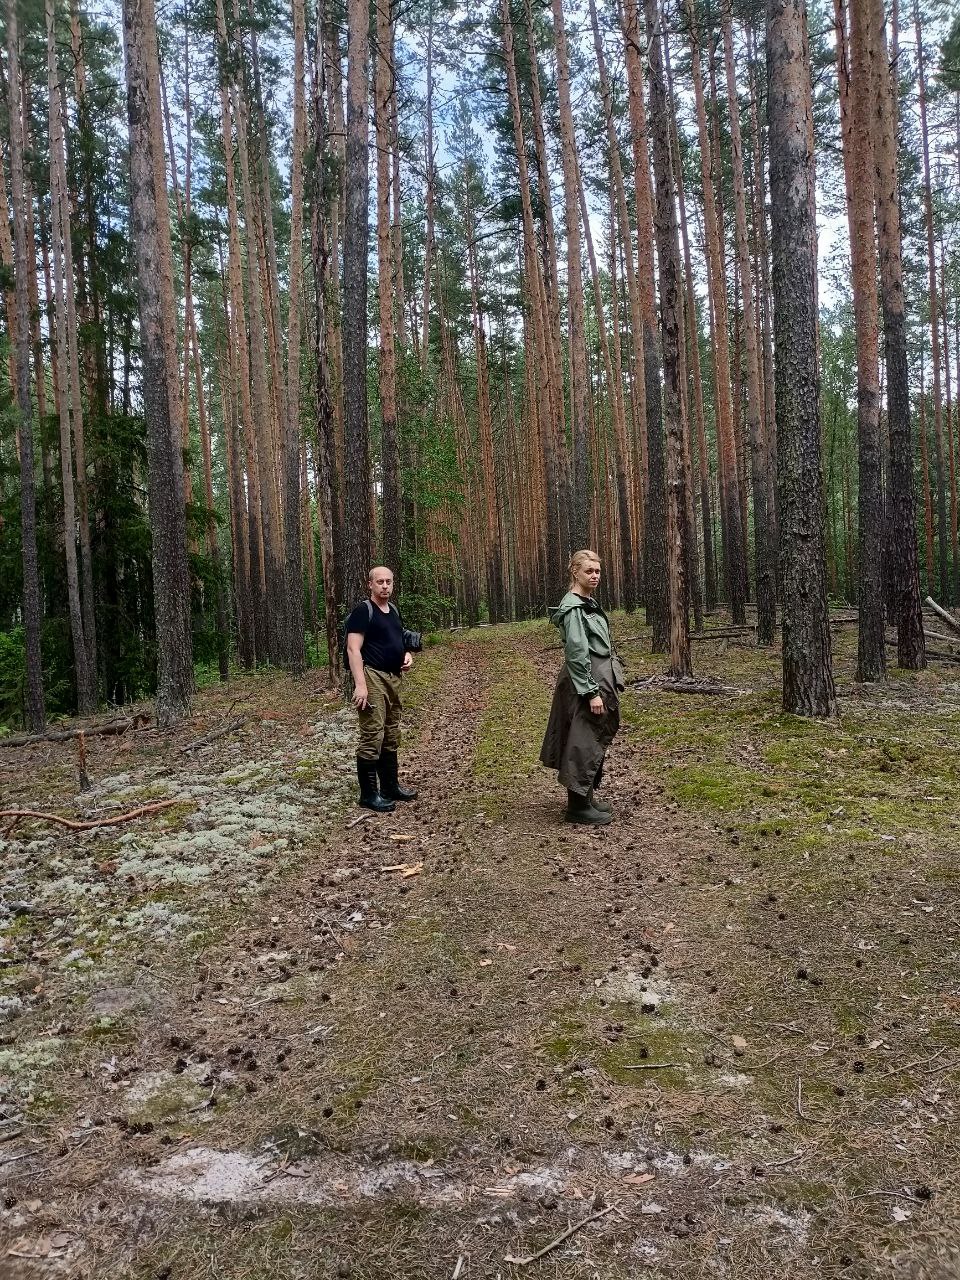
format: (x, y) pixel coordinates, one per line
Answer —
(937, 654)
(676, 684)
(232, 727)
(71, 825)
(91, 731)
(649, 1066)
(892, 1195)
(909, 1066)
(577, 1226)
(364, 817)
(938, 635)
(942, 614)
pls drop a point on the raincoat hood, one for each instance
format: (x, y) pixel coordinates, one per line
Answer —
(572, 601)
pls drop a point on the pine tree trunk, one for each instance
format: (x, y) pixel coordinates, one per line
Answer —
(548, 283)
(545, 405)
(855, 71)
(69, 407)
(383, 88)
(251, 612)
(150, 233)
(293, 497)
(656, 584)
(930, 559)
(582, 505)
(730, 513)
(630, 540)
(34, 710)
(428, 200)
(808, 687)
(943, 548)
(762, 537)
(357, 527)
(703, 463)
(264, 436)
(949, 423)
(671, 328)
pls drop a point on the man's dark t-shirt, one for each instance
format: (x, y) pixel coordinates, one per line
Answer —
(382, 638)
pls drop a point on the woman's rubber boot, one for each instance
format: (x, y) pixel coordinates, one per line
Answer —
(370, 797)
(388, 768)
(581, 811)
(602, 805)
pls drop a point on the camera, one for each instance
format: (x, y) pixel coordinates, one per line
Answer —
(412, 640)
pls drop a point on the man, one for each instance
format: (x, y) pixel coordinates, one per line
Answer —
(378, 658)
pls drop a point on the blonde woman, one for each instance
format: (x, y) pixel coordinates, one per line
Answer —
(585, 714)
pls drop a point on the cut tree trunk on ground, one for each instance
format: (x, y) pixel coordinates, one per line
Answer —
(941, 613)
(90, 731)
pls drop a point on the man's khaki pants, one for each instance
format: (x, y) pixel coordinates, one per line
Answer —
(380, 721)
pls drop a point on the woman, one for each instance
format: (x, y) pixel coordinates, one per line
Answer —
(585, 714)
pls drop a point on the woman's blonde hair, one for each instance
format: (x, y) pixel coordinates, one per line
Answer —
(578, 559)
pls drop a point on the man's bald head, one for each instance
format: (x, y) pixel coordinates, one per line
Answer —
(380, 584)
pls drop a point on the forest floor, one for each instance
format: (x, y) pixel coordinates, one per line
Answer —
(246, 1036)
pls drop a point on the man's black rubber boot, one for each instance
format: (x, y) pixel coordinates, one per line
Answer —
(370, 797)
(581, 811)
(388, 768)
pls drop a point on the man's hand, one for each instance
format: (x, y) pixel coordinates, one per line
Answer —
(360, 697)
(596, 705)
(407, 661)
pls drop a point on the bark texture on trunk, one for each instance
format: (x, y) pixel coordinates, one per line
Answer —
(731, 522)
(656, 583)
(671, 328)
(150, 232)
(391, 505)
(357, 542)
(808, 687)
(855, 66)
(902, 549)
(763, 545)
(296, 658)
(34, 708)
(582, 505)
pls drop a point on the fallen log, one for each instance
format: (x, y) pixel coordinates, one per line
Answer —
(942, 614)
(936, 654)
(675, 684)
(19, 814)
(89, 731)
(232, 727)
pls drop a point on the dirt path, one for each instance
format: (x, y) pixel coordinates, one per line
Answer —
(353, 1071)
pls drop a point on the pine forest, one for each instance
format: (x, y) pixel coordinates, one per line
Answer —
(289, 291)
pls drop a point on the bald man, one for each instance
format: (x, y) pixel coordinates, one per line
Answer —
(378, 658)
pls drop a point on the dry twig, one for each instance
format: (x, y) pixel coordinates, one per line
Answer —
(554, 1244)
(649, 1066)
(909, 1066)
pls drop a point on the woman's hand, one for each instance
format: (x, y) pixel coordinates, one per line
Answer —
(596, 705)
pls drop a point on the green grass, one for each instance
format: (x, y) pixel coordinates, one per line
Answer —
(511, 728)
